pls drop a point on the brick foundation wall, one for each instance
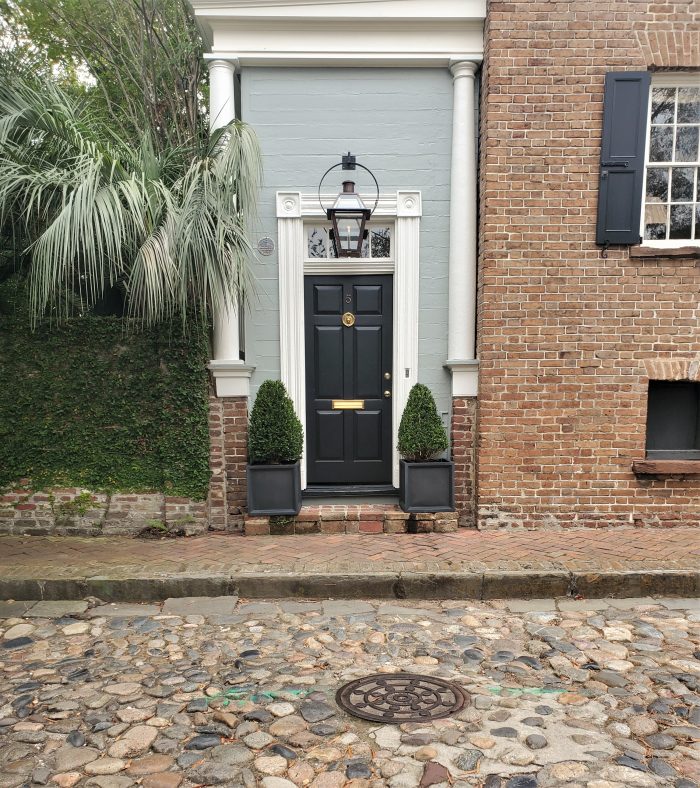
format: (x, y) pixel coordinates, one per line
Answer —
(76, 512)
(235, 447)
(566, 336)
(462, 436)
(26, 511)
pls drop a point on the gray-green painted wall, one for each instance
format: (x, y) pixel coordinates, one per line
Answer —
(399, 124)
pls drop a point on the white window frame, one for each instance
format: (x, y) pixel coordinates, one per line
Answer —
(352, 265)
(666, 80)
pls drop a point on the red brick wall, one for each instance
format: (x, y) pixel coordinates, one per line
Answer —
(565, 337)
(235, 447)
(462, 441)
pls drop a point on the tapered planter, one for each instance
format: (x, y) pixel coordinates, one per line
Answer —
(274, 489)
(427, 486)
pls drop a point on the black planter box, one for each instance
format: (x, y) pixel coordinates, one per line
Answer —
(427, 486)
(274, 489)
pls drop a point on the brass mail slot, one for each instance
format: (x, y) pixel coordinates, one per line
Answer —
(348, 404)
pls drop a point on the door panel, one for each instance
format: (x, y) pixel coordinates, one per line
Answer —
(367, 361)
(368, 434)
(328, 299)
(348, 362)
(328, 361)
(368, 299)
(330, 442)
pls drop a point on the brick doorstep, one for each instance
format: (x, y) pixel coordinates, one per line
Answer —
(462, 565)
(338, 519)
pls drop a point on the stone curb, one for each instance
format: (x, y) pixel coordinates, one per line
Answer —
(375, 585)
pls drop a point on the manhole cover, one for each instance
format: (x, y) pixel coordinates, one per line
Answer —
(400, 697)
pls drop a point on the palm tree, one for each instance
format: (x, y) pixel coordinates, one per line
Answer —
(171, 227)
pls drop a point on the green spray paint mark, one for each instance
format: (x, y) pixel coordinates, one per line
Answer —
(241, 695)
(518, 691)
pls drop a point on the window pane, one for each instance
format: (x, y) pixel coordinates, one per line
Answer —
(682, 183)
(661, 143)
(672, 415)
(697, 222)
(655, 222)
(657, 184)
(681, 218)
(662, 105)
(689, 105)
(317, 245)
(381, 242)
(687, 143)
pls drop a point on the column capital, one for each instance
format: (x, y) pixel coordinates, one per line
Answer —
(216, 64)
(463, 68)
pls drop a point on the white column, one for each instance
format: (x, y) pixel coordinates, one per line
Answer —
(232, 376)
(461, 339)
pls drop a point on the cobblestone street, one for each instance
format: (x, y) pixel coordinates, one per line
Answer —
(199, 692)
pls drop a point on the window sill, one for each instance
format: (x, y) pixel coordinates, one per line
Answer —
(660, 251)
(666, 467)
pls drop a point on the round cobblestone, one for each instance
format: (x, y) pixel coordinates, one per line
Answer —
(604, 698)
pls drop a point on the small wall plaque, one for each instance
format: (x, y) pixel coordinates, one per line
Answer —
(266, 246)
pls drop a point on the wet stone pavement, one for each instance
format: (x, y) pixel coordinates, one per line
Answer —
(226, 692)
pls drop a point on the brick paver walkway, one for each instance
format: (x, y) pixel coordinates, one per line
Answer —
(588, 550)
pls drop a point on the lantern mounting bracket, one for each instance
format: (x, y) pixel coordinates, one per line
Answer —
(349, 162)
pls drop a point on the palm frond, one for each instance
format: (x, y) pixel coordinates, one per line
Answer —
(172, 226)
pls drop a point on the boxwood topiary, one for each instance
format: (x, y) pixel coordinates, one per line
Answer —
(276, 435)
(421, 432)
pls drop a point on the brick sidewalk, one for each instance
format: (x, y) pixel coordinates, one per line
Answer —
(589, 550)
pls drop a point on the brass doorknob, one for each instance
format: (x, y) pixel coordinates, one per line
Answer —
(387, 393)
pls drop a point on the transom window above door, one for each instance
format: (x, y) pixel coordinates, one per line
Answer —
(672, 184)
(377, 245)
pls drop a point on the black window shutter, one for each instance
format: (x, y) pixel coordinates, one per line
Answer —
(622, 157)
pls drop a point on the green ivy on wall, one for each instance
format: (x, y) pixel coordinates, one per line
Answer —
(87, 404)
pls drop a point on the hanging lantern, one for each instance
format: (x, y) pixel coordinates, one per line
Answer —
(349, 213)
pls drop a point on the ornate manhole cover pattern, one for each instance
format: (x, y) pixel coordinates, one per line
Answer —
(401, 697)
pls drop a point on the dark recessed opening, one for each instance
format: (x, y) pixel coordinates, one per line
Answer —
(673, 420)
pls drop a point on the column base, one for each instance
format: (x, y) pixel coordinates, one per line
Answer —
(465, 376)
(231, 378)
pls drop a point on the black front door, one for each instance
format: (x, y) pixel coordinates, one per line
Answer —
(348, 379)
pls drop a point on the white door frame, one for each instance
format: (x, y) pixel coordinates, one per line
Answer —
(292, 209)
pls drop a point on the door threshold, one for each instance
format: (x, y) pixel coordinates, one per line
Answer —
(350, 491)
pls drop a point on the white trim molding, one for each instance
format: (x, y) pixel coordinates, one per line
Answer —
(465, 377)
(291, 251)
(292, 209)
(231, 378)
(398, 33)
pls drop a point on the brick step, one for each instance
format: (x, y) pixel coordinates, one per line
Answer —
(369, 519)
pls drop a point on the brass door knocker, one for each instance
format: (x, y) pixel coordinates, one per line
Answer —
(348, 319)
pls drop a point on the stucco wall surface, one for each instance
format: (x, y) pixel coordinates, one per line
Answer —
(399, 124)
